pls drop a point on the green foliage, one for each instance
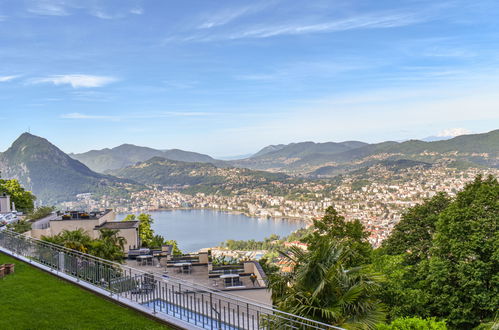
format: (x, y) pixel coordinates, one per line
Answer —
(322, 288)
(463, 269)
(146, 234)
(269, 268)
(20, 226)
(401, 291)
(109, 246)
(23, 200)
(412, 236)
(414, 323)
(333, 227)
(176, 251)
(40, 212)
(448, 258)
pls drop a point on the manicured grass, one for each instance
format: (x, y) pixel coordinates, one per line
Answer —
(33, 299)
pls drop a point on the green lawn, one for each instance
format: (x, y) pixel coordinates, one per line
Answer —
(33, 299)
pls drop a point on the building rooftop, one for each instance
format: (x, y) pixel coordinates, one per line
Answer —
(118, 225)
(81, 215)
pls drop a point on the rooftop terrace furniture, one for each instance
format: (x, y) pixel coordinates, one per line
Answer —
(132, 254)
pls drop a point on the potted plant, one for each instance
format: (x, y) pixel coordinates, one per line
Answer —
(253, 278)
(9, 269)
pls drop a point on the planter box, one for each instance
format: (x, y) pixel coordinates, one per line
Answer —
(9, 269)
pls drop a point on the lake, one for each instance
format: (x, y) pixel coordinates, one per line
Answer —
(197, 229)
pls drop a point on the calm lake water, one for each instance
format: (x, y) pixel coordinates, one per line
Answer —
(197, 229)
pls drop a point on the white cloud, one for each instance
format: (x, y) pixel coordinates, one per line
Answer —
(137, 11)
(77, 80)
(454, 132)
(8, 78)
(227, 16)
(49, 8)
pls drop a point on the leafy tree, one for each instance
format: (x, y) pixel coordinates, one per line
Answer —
(176, 250)
(412, 236)
(448, 264)
(23, 200)
(334, 227)
(320, 287)
(463, 269)
(146, 233)
(414, 323)
(401, 289)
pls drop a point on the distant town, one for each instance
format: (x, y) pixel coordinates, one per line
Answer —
(377, 197)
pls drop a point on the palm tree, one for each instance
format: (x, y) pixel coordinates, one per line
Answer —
(319, 287)
(72, 239)
(110, 246)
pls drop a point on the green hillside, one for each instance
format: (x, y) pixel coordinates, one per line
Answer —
(52, 175)
(201, 176)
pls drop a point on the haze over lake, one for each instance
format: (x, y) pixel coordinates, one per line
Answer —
(197, 229)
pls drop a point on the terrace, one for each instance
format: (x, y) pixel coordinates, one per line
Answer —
(246, 279)
(175, 301)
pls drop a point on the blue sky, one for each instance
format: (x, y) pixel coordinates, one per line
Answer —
(230, 77)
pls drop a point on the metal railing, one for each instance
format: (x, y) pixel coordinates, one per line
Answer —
(199, 306)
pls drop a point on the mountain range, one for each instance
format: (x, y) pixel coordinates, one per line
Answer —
(55, 176)
(307, 157)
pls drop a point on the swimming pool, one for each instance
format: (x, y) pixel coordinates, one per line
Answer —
(184, 314)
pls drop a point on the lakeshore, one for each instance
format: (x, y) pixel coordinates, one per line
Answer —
(195, 229)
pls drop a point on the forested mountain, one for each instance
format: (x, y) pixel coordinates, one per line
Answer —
(283, 156)
(129, 154)
(52, 175)
(167, 172)
(480, 150)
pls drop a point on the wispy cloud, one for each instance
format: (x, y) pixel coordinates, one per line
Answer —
(373, 21)
(76, 80)
(70, 7)
(150, 115)
(49, 8)
(77, 115)
(379, 20)
(8, 78)
(228, 15)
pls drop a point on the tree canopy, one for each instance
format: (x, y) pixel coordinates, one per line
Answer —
(443, 258)
(24, 200)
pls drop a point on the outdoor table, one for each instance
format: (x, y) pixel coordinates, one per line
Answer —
(183, 266)
(226, 277)
(144, 259)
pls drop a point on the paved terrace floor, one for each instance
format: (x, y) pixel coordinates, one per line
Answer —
(199, 275)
